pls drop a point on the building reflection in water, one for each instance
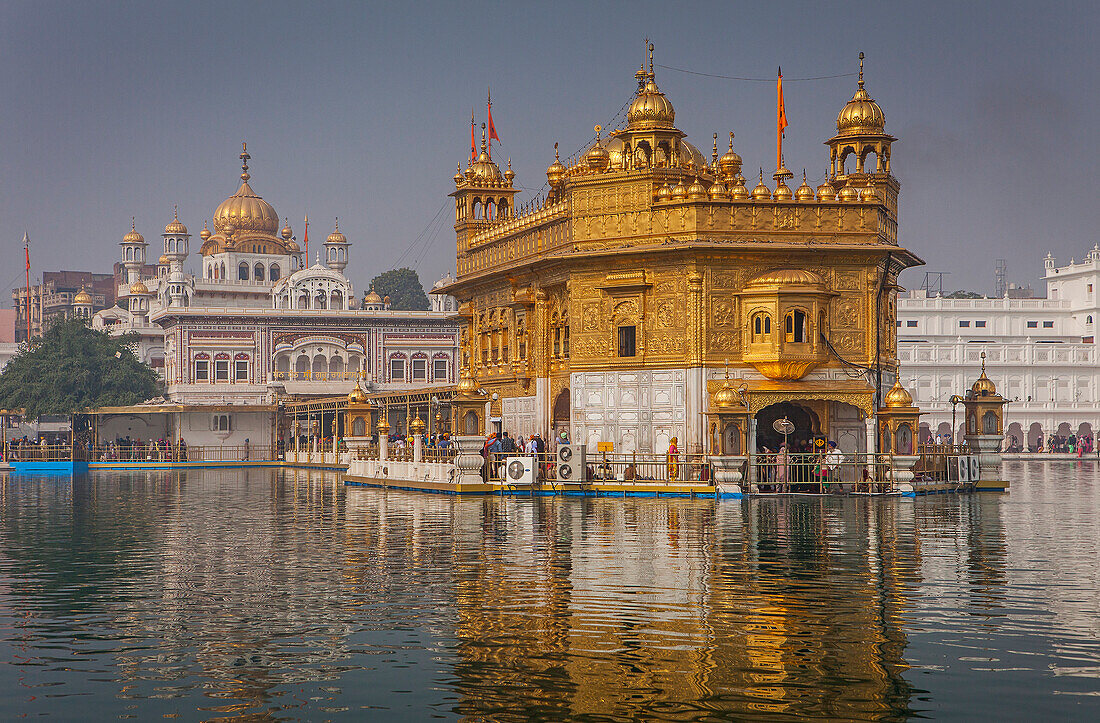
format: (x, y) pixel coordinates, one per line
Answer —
(600, 606)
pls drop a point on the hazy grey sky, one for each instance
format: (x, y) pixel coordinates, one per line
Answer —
(361, 110)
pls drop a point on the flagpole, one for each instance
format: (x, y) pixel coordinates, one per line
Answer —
(780, 117)
(27, 251)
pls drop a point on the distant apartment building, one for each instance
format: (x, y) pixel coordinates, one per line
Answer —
(53, 298)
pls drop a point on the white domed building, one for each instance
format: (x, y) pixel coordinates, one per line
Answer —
(255, 323)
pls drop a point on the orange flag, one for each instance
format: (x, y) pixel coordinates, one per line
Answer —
(492, 129)
(473, 141)
(780, 121)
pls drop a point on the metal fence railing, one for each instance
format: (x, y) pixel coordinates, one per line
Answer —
(821, 473)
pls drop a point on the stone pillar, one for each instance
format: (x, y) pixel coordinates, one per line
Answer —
(872, 443)
(901, 473)
(418, 447)
(469, 460)
(383, 446)
(988, 447)
(727, 476)
(750, 448)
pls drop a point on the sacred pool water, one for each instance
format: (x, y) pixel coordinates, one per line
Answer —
(266, 594)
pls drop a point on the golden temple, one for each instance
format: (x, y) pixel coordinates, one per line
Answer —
(611, 309)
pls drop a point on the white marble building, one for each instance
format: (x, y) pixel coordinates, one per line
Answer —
(1040, 352)
(258, 322)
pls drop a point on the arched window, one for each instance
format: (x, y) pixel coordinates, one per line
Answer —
(336, 301)
(1089, 319)
(222, 271)
(359, 427)
(242, 272)
(796, 326)
(258, 272)
(301, 366)
(274, 274)
(303, 301)
(761, 327)
(319, 300)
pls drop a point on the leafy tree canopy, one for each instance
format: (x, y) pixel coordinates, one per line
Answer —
(404, 289)
(960, 294)
(73, 367)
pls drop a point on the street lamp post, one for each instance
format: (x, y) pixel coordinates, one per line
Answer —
(955, 400)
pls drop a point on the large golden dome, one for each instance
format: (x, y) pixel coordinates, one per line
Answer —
(244, 210)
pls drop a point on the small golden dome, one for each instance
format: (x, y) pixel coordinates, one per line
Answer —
(860, 115)
(293, 247)
(783, 192)
(205, 233)
(826, 192)
(482, 171)
(897, 396)
(664, 193)
(466, 386)
(417, 425)
(730, 163)
(163, 260)
(287, 231)
(786, 277)
(336, 237)
(175, 226)
(679, 191)
(761, 192)
(555, 172)
(848, 194)
(386, 299)
(697, 191)
(383, 427)
(138, 288)
(82, 298)
(597, 158)
(804, 192)
(650, 108)
(357, 395)
(868, 195)
(133, 237)
(372, 297)
(717, 191)
(509, 174)
(725, 397)
(739, 192)
(984, 386)
(459, 178)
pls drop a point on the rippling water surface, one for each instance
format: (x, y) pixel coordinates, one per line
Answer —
(280, 595)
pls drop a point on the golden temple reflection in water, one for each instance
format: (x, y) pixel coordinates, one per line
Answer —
(549, 612)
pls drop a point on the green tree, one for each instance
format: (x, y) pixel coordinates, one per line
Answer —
(73, 367)
(960, 294)
(404, 289)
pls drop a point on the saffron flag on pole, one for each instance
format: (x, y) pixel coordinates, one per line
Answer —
(305, 241)
(492, 129)
(780, 120)
(473, 141)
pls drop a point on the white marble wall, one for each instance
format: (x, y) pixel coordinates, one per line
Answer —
(637, 410)
(519, 416)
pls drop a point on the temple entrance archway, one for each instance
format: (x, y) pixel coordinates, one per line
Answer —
(806, 425)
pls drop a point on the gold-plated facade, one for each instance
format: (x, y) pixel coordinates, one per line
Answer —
(651, 259)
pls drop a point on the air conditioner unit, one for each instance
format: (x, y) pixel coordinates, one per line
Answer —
(519, 470)
(975, 468)
(570, 462)
(962, 464)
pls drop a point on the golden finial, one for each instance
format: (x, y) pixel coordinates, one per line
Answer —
(861, 69)
(714, 152)
(727, 369)
(731, 140)
(555, 151)
(244, 162)
(597, 128)
(983, 362)
(133, 223)
(483, 137)
(337, 223)
(650, 58)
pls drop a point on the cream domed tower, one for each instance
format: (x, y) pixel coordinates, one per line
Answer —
(336, 250)
(176, 243)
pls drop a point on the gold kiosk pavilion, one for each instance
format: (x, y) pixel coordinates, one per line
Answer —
(608, 309)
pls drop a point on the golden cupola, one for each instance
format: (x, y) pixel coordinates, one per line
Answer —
(357, 395)
(82, 298)
(761, 192)
(804, 192)
(861, 115)
(287, 232)
(337, 236)
(244, 210)
(650, 109)
(132, 236)
(729, 165)
(205, 233)
(983, 385)
(482, 171)
(175, 226)
(138, 288)
(738, 192)
(897, 397)
(555, 172)
(597, 158)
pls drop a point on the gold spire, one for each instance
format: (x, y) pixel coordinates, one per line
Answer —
(244, 162)
(861, 69)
